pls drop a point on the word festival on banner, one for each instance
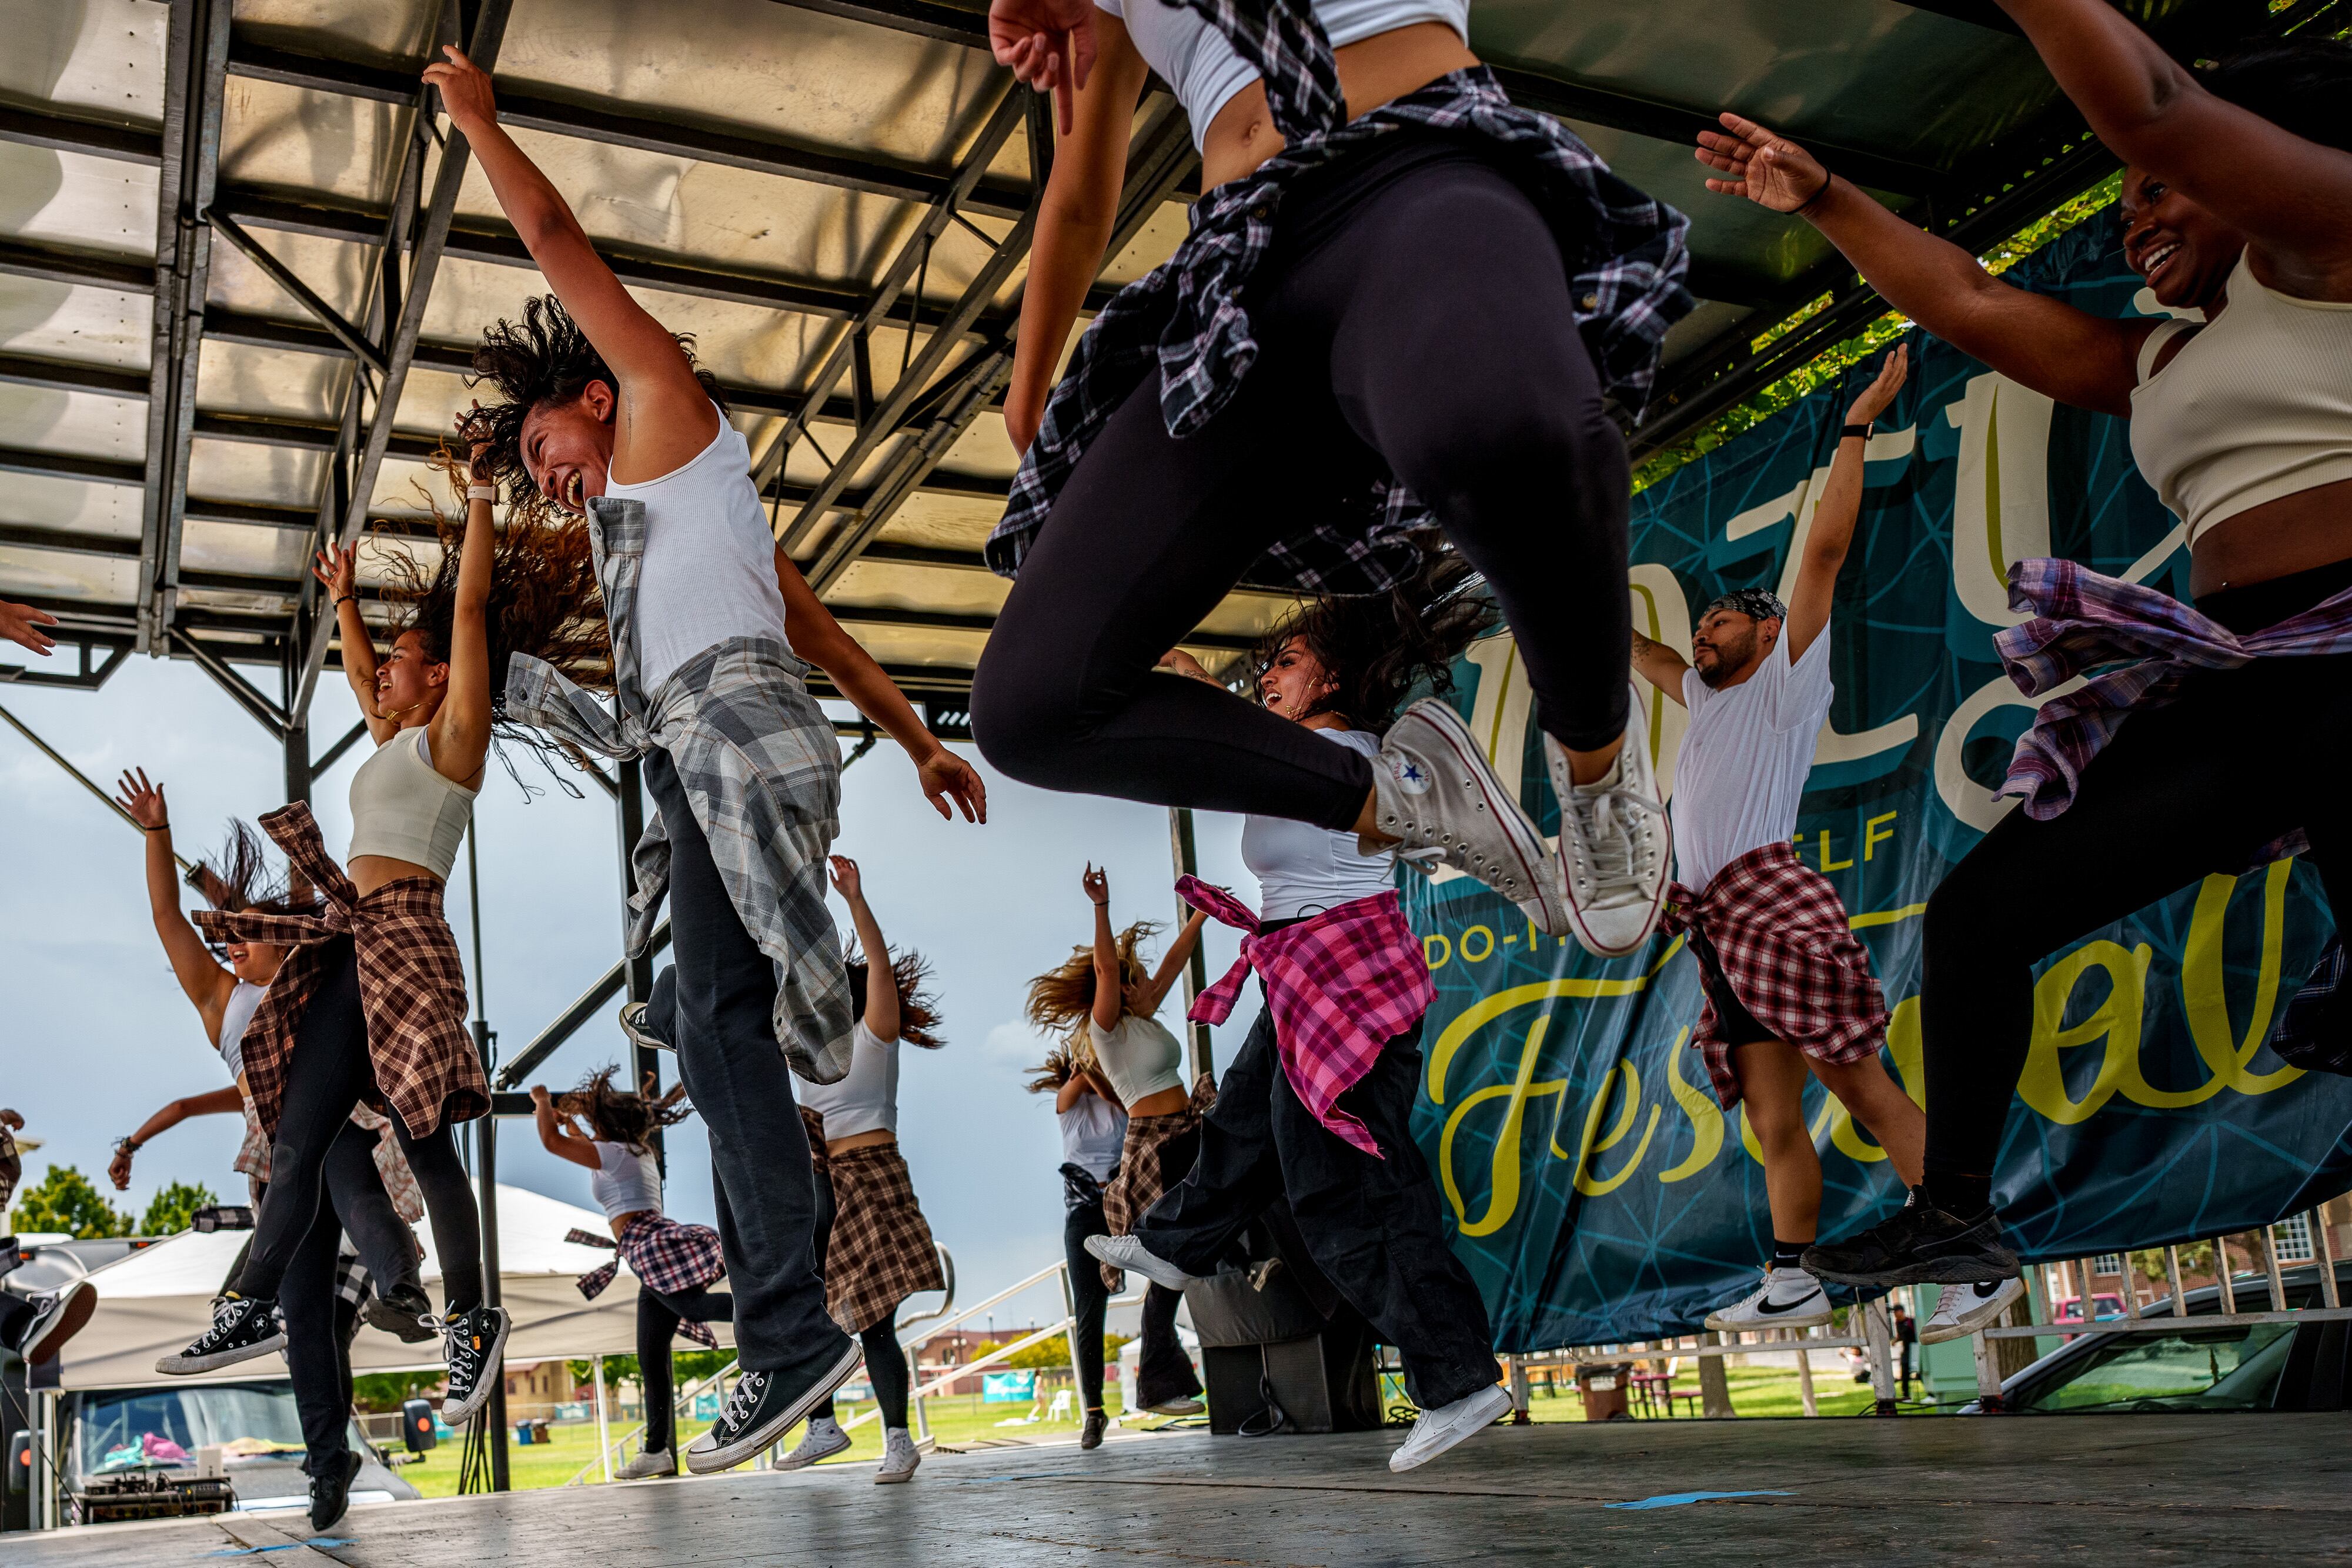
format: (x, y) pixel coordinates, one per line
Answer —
(1598, 1191)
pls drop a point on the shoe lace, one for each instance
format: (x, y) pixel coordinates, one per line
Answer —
(1618, 847)
(457, 1343)
(744, 1397)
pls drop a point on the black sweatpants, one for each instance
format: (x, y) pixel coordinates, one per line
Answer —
(327, 1074)
(761, 1181)
(1415, 318)
(319, 1325)
(1373, 1226)
(1090, 1297)
(2182, 792)
(886, 1362)
(658, 1315)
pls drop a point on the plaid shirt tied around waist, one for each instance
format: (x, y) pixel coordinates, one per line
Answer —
(1778, 932)
(1185, 321)
(761, 768)
(412, 985)
(666, 1255)
(1340, 986)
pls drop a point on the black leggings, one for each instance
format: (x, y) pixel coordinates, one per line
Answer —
(327, 1073)
(2182, 792)
(658, 1315)
(1416, 320)
(885, 1364)
(1090, 1297)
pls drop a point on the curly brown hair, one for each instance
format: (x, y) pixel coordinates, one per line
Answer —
(1063, 998)
(919, 1009)
(617, 1116)
(1381, 649)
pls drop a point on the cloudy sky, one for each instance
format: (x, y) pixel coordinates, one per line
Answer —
(98, 1035)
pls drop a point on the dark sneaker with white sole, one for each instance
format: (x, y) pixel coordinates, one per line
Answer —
(638, 1025)
(57, 1318)
(1921, 1245)
(330, 1494)
(764, 1406)
(403, 1313)
(476, 1344)
(243, 1327)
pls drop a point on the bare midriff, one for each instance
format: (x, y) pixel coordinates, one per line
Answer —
(1166, 1102)
(369, 872)
(620, 1222)
(868, 1140)
(2295, 533)
(1373, 72)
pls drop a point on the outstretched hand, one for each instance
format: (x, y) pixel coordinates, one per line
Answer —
(144, 801)
(845, 880)
(465, 89)
(1892, 371)
(945, 778)
(1048, 45)
(1770, 171)
(336, 569)
(21, 625)
(1096, 884)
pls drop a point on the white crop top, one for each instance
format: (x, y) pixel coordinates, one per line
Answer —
(625, 1181)
(235, 1014)
(2256, 405)
(1193, 57)
(1302, 869)
(710, 569)
(865, 1098)
(1094, 1132)
(403, 807)
(1139, 1057)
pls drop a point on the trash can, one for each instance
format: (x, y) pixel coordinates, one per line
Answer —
(1604, 1386)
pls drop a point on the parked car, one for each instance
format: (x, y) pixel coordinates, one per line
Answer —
(2069, 1308)
(2190, 1369)
(111, 1433)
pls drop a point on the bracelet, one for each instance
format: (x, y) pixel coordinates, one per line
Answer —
(1861, 430)
(160, 827)
(482, 492)
(346, 599)
(128, 1146)
(1798, 211)
(1099, 902)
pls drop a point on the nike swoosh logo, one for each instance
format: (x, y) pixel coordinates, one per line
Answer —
(1769, 1310)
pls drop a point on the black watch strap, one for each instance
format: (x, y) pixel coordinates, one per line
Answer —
(1861, 430)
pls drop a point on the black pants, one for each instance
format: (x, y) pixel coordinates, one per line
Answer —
(1090, 1297)
(886, 1362)
(1416, 320)
(327, 1074)
(320, 1326)
(1373, 1226)
(2195, 788)
(1162, 1371)
(658, 1315)
(727, 1055)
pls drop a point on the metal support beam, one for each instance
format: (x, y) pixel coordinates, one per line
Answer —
(354, 342)
(334, 753)
(637, 973)
(263, 711)
(1184, 849)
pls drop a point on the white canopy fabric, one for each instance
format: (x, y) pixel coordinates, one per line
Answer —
(154, 1302)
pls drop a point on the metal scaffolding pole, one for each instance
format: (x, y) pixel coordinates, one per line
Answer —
(639, 972)
(1196, 972)
(486, 1162)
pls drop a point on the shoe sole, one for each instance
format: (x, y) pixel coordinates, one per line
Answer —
(1446, 1445)
(711, 1460)
(492, 1363)
(1534, 854)
(1968, 1323)
(2000, 1264)
(187, 1366)
(1175, 1278)
(1584, 938)
(790, 1463)
(648, 1041)
(319, 1526)
(894, 1478)
(1724, 1325)
(79, 1308)
(386, 1318)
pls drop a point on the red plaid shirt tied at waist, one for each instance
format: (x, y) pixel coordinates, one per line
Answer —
(1340, 985)
(667, 1255)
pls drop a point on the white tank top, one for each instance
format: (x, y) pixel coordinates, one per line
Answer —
(1302, 869)
(1139, 1057)
(1094, 1132)
(1195, 61)
(709, 569)
(625, 1181)
(403, 807)
(235, 1014)
(865, 1098)
(2256, 405)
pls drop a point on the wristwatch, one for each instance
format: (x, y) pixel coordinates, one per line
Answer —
(1861, 430)
(128, 1146)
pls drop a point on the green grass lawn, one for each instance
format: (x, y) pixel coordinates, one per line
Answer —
(1761, 1390)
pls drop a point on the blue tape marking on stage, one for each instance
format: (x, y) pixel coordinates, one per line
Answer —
(288, 1546)
(1676, 1499)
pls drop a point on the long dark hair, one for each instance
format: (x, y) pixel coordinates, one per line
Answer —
(2298, 84)
(617, 1116)
(919, 1008)
(1381, 648)
(241, 876)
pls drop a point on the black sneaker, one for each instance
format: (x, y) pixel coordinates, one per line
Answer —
(477, 1341)
(243, 1327)
(1091, 1435)
(330, 1494)
(401, 1311)
(57, 1318)
(764, 1406)
(1921, 1245)
(638, 1027)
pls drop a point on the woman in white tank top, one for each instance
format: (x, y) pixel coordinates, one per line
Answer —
(1093, 1123)
(2237, 208)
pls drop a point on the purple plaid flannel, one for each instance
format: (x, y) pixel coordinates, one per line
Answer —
(1340, 986)
(666, 1255)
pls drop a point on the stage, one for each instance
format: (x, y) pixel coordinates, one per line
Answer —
(2121, 1488)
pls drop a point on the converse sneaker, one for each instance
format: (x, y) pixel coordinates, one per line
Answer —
(1434, 789)
(243, 1328)
(401, 1312)
(476, 1344)
(1440, 1429)
(1090, 1435)
(1921, 1245)
(900, 1458)
(330, 1494)
(57, 1318)
(1615, 845)
(764, 1406)
(1961, 1309)
(649, 1465)
(1126, 1252)
(638, 1027)
(821, 1439)
(1788, 1299)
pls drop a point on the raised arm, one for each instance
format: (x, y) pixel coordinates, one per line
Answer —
(2290, 196)
(205, 981)
(337, 570)
(817, 637)
(1111, 988)
(461, 726)
(1831, 535)
(2089, 362)
(1660, 665)
(556, 1135)
(1154, 990)
(216, 1102)
(1083, 1081)
(881, 984)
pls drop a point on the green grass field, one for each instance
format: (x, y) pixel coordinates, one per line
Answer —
(1756, 1391)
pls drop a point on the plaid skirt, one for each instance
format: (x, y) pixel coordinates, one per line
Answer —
(1158, 1154)
(812, 1123)
(881, 1250)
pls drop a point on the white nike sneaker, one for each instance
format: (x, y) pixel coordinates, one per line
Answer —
(1439, 1429)
(819, 1439)
(1616, 846)
(1961, 1309)
(899, 1457)
(1433, 789)
(1788, 1299)
(1126, 1252)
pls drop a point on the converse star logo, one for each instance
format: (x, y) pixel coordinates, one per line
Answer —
(1410, 775)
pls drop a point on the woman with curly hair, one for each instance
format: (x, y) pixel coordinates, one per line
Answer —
(1317, 1108)
(1101, 1000)
(1094, 1130)
(676, 1263)
(603, 414)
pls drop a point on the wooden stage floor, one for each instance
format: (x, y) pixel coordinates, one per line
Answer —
(2095, 1489)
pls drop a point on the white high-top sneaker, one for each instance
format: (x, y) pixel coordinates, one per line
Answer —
(1788, 1299)
(1433, 789)
(821, 1439)
(899, 1457)
(1616, 846)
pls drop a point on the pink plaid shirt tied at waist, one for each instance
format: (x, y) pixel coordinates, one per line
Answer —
(667, 1256)
(1340, 986)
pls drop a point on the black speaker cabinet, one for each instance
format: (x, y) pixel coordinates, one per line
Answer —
(1266, 1349)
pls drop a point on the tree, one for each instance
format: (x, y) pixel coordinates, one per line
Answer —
(174, 1207)
(67, 1201)
(1047, 1354)
(386, 1391)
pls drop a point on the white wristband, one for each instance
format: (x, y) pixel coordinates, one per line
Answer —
(482, 492)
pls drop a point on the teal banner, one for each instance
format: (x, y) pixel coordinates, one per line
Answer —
(1598, 1191)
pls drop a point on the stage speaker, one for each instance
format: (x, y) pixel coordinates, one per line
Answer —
(1273, 1364)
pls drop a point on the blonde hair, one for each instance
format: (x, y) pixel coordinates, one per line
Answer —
(1061, 999)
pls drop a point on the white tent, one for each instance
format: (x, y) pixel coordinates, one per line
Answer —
(155, 1300)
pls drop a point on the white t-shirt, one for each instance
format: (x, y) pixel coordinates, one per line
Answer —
(625, 1181)
(710, 569)
(1745, 759)
(865, 1098)
(1094, 1131)
(1302, 869)
(237, 1013)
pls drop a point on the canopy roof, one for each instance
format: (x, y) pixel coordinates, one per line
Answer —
(239, 273)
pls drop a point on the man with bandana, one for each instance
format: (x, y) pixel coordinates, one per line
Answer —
(1789, 990)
